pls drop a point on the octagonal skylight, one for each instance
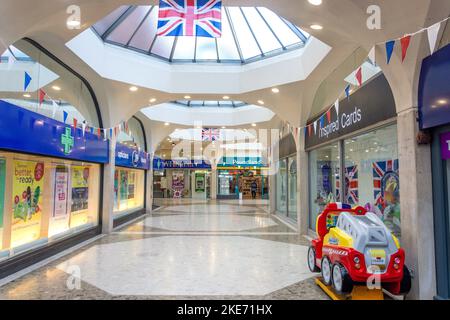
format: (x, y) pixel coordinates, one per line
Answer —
(248, 34)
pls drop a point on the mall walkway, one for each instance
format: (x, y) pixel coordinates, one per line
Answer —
(185, 250)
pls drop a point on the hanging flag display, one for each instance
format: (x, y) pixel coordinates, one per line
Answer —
(389, 50)
(27, 81)
(359, 76)
(372, 55)
(432, 33)
(65, 116)
(193, 18)
(404, 42)
(351, 195)
(42, 95)
(209, 134)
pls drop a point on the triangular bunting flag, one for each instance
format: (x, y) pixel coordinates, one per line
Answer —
(104, 135)
(372, 55)
(322, 121)
(389, 50)
(433, 32)
(110, 133)
(55, 106)
(315, 127)
(359, 76)
(75, 123)
(92, 130)
(99, 133)
(83, 127)
(306, 131)
(27, 81)
(347, 91)
(65, 115)
(42, 95)
(329, 116)
(309, 130)
(405, 41)
(336, 106)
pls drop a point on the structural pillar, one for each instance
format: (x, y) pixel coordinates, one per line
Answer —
(416, 206)
(213, 182)
(302, 185)
(108, 190)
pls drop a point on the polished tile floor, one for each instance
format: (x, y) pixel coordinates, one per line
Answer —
(184, 250)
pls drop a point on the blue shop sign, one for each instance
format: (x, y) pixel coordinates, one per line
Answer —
(131, 157)
(434, 89)
(160, 164)
(22, 130)
(242, 162)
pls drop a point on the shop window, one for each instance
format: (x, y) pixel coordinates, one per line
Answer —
(128, 190)
(292, 165)
(324, 179)
(44, 199)
(372, 175)
(282, 186)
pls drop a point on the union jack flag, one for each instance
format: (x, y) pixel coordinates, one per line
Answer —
(210, 134)
(351, 185)
(384, 174)
(195, 18)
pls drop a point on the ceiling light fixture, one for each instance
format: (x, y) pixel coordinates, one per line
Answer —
(133, 89)
(253, 124)
(56, 88)
(261, 102)
(316, 27)
(187, 97)
(26, 95)
(226, 98)
(275, 90)
(167, 124)
(315, 2)
(152, 100)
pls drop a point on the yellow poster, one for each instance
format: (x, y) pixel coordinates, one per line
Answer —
(80, 196)
(28, 182)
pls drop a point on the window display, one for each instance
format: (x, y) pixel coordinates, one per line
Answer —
(324, 177)
(292, 207)
(372, 175)
(282, 187)
(128, 190)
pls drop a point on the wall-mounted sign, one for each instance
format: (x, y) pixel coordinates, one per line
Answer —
(131, 157)
(26, 131)
(434, 89)
(445, 146)
(371, 104)
(161, 164)
(244, 162)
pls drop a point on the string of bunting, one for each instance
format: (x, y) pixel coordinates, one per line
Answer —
(405, 41)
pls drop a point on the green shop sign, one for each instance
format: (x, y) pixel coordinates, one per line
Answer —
(67, 140)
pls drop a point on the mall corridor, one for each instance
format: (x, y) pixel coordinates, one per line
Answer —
(184, 250)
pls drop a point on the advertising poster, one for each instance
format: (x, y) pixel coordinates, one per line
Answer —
(131, 185)
(123, 185)
(61, 191)
(199, 182)
(2, 189)
(80, 188)
(177, 184)
(28, 181)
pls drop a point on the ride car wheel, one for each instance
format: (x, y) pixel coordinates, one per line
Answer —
(326, 270)
(312, 260)
(341, 280)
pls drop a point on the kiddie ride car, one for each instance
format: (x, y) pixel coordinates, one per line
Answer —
(355, 246)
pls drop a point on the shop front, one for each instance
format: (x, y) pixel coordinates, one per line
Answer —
(129, 183)
(176, 179)
(50, 170)
(434, 111)
(353, 155)
(244, 177)
(286, 179)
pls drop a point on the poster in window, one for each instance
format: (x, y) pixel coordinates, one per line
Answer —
(28, 182)
(199, 182)
(131, 185)
(2, 189)
(61, 191)
(80, 188)
(123, 185)
(386, 184)
(351, 185)
(177, 184)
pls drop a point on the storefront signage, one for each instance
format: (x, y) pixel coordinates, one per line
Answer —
(26, 131)
(434, 90)
(241, 162)
(161, 164)
(445, 146)
(131, 157)
(370, 105)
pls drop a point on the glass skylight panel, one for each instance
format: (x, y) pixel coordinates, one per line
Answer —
(226, 45)
(263, 34)
(146, 33)
(206, 49)
(123, 33)
(163, 46)
(211, 103)
(247, 42)
(281, 29)
(184, 49)
(102, 26)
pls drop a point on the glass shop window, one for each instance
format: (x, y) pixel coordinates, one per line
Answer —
(128, 190)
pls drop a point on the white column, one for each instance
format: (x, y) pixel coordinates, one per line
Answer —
(108, 189)
(149, 194)
(213, 182)
(416, 206)
(302, 185)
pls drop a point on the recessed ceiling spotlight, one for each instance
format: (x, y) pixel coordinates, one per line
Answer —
(152, 100)
(133, 89)
(56, 88)
(316, 27)
(253, 124)
(224, 127)
(187, 97)
(275, 90)
(315, 2)
(167, 124)
(261, 102)
(26, 95)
